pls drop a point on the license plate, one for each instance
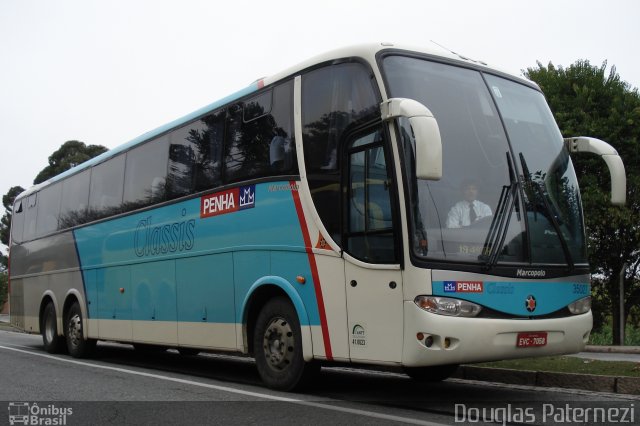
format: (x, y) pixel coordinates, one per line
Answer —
(531, 340)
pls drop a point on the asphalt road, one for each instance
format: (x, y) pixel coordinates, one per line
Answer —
(121, 386)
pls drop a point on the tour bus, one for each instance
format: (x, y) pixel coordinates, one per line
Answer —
(398, 207)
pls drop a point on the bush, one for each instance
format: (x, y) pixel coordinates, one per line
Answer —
(604, 336)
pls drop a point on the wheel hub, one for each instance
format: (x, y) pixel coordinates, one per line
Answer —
(278, 343)
(75, 330)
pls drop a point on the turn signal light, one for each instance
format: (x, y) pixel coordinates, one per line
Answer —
(581, 306)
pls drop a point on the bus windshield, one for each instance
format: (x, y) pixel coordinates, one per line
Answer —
(508, 194)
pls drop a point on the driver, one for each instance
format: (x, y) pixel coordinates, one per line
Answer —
(470, 209)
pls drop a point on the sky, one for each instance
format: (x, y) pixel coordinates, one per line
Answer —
(105, 72)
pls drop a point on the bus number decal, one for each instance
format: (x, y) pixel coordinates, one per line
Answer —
(358, 336)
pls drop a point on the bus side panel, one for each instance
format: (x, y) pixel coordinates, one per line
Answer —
(16, 303)
(220, 245)
(35, 267)
(290, 265)
(331, 273)
(34, 290)
(48, 254)
(153, 306)
(205, 294)
(90, 284)
(113, 292)
(254, 269)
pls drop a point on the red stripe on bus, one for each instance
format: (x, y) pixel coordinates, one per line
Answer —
(314, 270)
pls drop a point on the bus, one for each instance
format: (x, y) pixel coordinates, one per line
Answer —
(304, 221)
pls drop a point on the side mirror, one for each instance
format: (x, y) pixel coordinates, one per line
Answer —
(425, 131)
(611, 157)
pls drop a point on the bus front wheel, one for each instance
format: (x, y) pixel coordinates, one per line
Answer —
(277, 343)
(77, 345)
(53, 343)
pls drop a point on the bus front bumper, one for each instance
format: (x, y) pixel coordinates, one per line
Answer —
(466, 340)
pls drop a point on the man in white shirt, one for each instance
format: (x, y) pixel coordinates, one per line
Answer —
(466, 212)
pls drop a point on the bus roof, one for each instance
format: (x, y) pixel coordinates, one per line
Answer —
(366, 51)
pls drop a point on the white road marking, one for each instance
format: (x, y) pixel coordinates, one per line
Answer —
(233, 390)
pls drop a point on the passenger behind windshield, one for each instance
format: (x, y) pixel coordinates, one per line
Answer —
(469, 210)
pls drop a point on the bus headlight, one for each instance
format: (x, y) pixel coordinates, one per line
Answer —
(448, 306)
(580, 306)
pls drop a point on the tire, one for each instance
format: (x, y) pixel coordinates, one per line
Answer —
(277, 343)
(53, 343)
(77, 345)
(436, 373)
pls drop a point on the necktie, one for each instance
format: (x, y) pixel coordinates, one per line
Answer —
(472, 214)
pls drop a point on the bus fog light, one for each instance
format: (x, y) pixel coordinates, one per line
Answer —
(580, 306)
(428, 342)
(448, 306)
(447, 343)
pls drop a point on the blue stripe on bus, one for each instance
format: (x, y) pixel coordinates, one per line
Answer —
(169, 264)
(514, 297)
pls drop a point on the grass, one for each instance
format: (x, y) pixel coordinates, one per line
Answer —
(604, 336)
(568, 364)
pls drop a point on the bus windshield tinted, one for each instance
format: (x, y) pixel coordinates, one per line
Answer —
(508, 193)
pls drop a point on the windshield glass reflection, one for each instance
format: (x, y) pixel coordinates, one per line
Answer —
(454, 219)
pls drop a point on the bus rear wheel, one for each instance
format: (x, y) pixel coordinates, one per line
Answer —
(77, 345)
(277, 343)
(53, 343)
(435, 373)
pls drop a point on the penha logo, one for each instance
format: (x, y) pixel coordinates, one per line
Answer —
(229, 201)
(449, 286)
(463, 287)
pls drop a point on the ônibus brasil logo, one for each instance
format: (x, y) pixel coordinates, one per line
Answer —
(26, 413)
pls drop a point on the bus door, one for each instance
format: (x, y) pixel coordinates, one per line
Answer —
(372, 271)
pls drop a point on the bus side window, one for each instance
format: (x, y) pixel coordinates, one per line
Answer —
(259, 138)
(369, 227)
(195, 152)
(75, 200)
(17, 220)
(282, 147)
(30, 217)
(48, 209)
(105, 195)
(145, 174)
(334, 99)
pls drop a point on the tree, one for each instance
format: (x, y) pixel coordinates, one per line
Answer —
(69, 155)
(588, 101)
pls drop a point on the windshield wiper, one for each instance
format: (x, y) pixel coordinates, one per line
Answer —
(500, 223)
(548, 209)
